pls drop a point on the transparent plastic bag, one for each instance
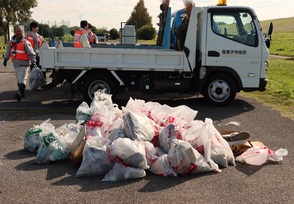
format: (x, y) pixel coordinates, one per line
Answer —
(83, 113)
(127, 151)
(121, 172)
(95, 158)
(36, 78)
(51, 150)
(34, 136)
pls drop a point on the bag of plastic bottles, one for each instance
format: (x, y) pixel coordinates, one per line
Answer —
(36, 78)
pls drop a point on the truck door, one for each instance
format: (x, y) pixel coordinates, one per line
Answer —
(233, 42)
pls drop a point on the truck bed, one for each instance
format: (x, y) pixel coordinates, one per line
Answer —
(111, 58)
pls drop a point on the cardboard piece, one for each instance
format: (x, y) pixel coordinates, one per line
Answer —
(77, 148)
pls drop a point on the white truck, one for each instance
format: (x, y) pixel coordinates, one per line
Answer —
(218, 51)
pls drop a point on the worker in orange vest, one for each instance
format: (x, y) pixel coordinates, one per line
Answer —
(93, 39)
(81, 36)
(23, 57)
(35, 39)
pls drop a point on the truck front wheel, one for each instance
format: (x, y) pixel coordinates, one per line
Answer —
(220, 90)
(97, 83)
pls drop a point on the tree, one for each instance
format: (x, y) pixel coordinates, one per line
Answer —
(114, 34)
(12, 11)
(73, 30)
(44, 30)
(102, 30)
(58, 31)
(140, 17)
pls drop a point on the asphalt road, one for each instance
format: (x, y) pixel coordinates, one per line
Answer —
(22, 181)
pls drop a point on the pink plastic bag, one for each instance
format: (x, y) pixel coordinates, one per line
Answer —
(260, 155)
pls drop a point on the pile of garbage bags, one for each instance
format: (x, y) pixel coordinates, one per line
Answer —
(124, 143)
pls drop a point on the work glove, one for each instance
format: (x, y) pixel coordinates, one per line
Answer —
(5, 63)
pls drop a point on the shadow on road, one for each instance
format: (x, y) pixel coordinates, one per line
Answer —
(55, 101)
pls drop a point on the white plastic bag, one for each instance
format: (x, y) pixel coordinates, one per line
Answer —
(33, 138)
(199, 136)
(180, 115)
(185, 160)
(127, 151)
(221, 152)
(36, 78)
(259, 155)
(94, 125)
(166, 135)
(95, 158)
(116, 133)
(83, 113)
(51, 150)
(121, 172)
(138, 126)
(67, 134)
(151, 153)
(161, 167)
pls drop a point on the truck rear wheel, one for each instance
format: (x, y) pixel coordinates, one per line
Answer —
(97, 83)
(220, 90)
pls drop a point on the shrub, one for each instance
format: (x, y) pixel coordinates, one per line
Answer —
(146, 32)
(114, 34)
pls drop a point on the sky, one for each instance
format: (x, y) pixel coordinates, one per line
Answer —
(110, 13)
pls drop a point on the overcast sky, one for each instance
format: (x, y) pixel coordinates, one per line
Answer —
(110, 13)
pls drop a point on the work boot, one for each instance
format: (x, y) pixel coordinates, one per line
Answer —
(17, 97)
(22, 90)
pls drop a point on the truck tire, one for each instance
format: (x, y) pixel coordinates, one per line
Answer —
(219, 90)
(97, 83)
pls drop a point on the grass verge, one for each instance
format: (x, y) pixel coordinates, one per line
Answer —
(280, 88)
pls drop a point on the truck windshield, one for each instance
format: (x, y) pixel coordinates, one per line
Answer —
(237, 26)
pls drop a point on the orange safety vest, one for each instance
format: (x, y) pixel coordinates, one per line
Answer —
(31, 39)
(18, 50)
(92, 38)
(77, 38)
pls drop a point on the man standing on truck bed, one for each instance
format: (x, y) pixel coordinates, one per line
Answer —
(81, 36)
(80, 41)
(93, 39)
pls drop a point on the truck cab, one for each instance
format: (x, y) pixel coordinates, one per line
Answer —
(231, 53)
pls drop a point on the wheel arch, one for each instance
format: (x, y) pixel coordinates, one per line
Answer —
(93, 72)
(210, 71)
(100, 74)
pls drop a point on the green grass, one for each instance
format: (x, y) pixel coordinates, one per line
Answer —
(280, 88)
(282, 44)
(149, 42)
(280, 25)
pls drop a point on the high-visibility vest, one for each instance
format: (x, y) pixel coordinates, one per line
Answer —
(31, 39)
(18, 50)
(77, 38)
(92, 38)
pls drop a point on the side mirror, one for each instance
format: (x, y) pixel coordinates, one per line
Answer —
(270, 29)
(268, 36)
